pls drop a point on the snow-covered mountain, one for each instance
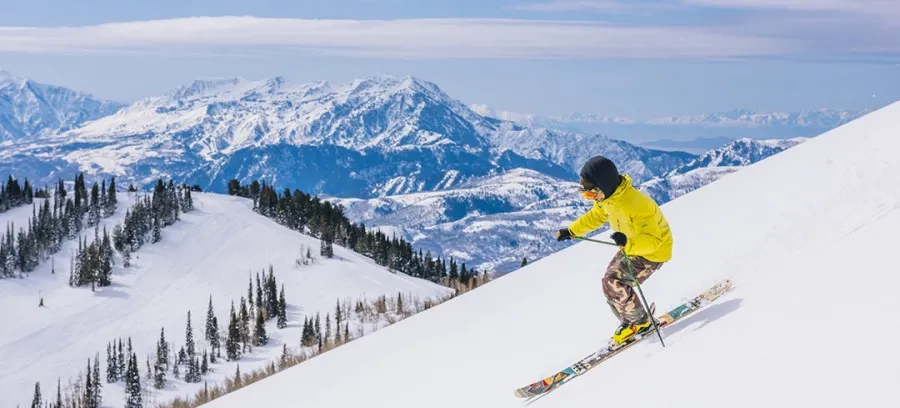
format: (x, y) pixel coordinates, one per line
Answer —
(571, 150)
(741, 152)
(210, 255)
(29, 109)
(714, 164)
(788, 253)
(490, 223)
(494, 222)
(371, 137)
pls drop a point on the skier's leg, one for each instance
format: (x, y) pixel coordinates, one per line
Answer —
(617, 287)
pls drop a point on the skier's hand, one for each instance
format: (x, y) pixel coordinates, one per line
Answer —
(563, 234)
(619, 238)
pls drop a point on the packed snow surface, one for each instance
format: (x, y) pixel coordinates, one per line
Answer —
(212, 251)
(807, 236)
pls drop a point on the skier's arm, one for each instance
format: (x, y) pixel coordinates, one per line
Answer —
(588, 222)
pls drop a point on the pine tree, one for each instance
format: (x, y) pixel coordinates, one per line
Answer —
(232, 351)
(250, 298)
(245, 326)
(327, 327)
(122, 362)
(259, 334)
(212, 330)
(282, 310)
(271, 294)
(162, 350)
(524, 261)
(337, 312)
(37, 402)
(157, 234)
(59, 403)
(159, 370)
(284, 356)
(204, 367)
(337, 335)
(189, 337)
(133, 384)
(216, 351)
(98, 386)
(111, 374)
(308, 335)
(318, 326)
(196, 369)
(89, 400)
(259, 293)
(111, 201)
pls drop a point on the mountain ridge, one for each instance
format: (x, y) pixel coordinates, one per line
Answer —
(29, 109)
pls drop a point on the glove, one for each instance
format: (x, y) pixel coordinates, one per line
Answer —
(563, 234)
(619, 238)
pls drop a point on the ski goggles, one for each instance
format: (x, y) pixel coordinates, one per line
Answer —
(590, 194)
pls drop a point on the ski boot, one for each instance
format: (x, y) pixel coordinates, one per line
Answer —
(628, 330)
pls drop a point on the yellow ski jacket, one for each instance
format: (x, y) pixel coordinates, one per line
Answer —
(633, 213)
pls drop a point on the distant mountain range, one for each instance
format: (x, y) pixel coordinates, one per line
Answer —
(399, 153)
(746, 118)
(694, 134)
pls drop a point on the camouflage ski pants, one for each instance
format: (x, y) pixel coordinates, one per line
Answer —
(617, 286)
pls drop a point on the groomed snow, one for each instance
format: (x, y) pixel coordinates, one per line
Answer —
(808, 236)
(211, 251)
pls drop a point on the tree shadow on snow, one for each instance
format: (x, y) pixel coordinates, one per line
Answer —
(114, 290)
(294, 316)
(705, 315)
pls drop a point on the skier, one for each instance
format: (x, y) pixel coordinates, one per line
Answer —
(641, 231)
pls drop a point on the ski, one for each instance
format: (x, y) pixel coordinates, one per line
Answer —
(675, 314)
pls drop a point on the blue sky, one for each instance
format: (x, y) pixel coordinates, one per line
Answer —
(637, 58)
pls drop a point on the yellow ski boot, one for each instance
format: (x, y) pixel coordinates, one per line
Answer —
(629, 330)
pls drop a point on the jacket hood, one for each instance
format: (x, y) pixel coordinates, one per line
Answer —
(601, 172)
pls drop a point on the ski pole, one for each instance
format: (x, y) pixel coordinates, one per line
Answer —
(643, 299)
(596, 240)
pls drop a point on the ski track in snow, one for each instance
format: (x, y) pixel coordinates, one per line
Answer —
(807, 239)
(211, 251)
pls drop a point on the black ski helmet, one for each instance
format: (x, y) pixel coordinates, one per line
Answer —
(601, 172)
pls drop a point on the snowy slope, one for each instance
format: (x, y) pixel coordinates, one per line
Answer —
(212, 251)
(806, 237)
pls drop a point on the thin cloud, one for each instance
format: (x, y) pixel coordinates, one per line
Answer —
(402, 38)
(880, 12)
(817, 27)
(406, 38)
(575, 5)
